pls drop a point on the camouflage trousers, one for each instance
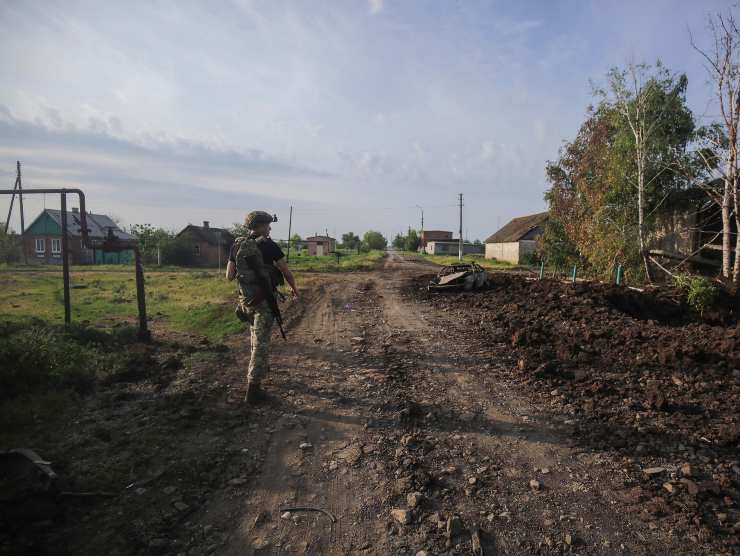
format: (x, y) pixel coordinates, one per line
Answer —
(259, 319)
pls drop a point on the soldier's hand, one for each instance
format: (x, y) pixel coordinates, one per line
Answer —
(294, 295)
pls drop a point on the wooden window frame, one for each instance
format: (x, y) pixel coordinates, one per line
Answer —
(58, 241)
(40, 241)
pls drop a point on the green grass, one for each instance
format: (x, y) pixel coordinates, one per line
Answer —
(185, 300)
(329, 263)
(189, 301)
(470, 258)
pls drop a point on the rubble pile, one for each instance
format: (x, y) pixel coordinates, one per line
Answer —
(635, 372)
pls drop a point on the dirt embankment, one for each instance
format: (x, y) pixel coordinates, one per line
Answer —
(639, 376)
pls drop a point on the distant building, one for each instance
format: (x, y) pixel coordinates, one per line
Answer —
(42, 241)
(208, 244)
(689, 228)
(517, 239)
(452, 247)
(319, 246)
(432, 235)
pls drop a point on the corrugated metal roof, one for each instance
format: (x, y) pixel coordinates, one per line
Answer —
(518, 228)
(97, 224)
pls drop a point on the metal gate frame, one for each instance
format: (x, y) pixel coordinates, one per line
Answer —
(111, 243)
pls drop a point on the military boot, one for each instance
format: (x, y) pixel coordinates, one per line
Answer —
(255, 394)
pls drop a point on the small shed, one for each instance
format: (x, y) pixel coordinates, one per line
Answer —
(517, 239)
(209, 244)
(318, 246)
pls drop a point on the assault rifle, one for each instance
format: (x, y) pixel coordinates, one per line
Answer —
(272, 302)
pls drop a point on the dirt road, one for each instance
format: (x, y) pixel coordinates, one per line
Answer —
(392, 429)
(411, 443)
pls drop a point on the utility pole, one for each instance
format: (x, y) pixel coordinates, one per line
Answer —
(290, 227)
(460, 244)
(20, 204)
(421, 233)
(19, 188)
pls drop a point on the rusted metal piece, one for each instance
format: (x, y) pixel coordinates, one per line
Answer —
(113, 244)
(65, 262)
(465, 276)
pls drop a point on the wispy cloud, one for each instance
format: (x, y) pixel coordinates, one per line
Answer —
(169, 111)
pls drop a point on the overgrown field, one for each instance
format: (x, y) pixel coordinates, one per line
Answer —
(179, 299)
(185, 301)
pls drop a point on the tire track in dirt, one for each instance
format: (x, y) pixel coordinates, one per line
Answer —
(314, 438)
(490, 443)
(391, 406)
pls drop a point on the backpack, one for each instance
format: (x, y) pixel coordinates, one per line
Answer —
(250, 285)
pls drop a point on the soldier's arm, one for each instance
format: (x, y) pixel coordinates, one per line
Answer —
(230, 271)
(282, 266)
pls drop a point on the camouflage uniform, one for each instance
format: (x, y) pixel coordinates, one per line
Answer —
(259, 319)
(253, 309)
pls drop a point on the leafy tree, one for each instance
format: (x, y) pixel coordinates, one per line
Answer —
(412, 241)
(399, 242)
(351, 241)
(374, 240)
(653, 127)
(239, 230)
(295, 243)
(554, 242)
(610, 183)
(150, 240)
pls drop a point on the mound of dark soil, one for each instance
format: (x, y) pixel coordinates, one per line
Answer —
(639, 372)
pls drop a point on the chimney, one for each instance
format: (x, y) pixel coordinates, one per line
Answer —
(205, 224)
(75, 210)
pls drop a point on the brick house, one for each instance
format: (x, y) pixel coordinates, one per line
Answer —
(208, 244)
(319, 246)
(42, 241)
(432, 235)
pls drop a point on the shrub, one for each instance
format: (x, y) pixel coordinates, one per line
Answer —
(37, 357)
(701, 292)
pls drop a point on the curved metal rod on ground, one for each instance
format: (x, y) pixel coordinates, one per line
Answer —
(310, 509)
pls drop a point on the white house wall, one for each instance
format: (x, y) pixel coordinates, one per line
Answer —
(503, 251)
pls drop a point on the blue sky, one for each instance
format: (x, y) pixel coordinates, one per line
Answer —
(353, 112)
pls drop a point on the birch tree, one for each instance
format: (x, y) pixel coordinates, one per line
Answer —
(723, 67)
(646, 98)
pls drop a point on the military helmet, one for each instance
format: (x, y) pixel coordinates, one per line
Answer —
(257, 217)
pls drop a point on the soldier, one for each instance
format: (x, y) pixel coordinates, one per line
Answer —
(259, 264)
